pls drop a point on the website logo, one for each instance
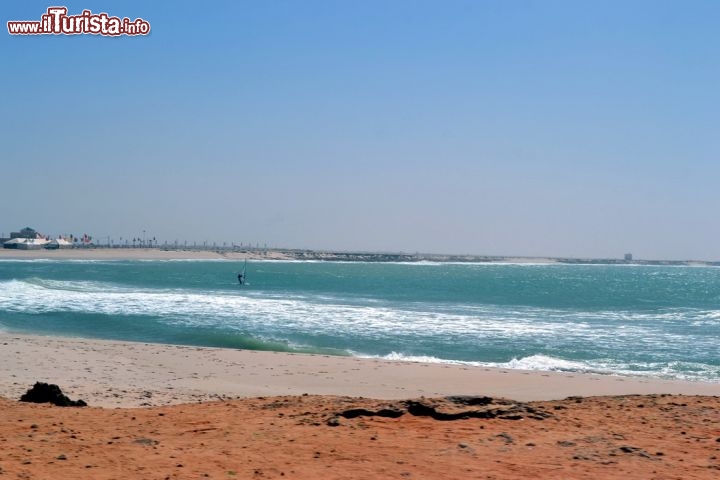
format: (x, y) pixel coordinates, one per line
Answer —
(57, 22)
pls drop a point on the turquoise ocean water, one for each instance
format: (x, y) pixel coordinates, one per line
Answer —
(642, 320)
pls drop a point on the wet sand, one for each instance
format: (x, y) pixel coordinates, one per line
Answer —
(127, 374)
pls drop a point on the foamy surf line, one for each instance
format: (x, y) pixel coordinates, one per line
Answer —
(288, 322)
(127, 374)
(684, 371)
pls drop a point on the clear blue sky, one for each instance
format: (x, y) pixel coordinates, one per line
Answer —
(567, 128)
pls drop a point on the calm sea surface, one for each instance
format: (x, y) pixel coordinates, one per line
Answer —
(642, 320)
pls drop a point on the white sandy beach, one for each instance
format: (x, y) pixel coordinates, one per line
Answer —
(103, 253)
(125, 374)
(135, 254)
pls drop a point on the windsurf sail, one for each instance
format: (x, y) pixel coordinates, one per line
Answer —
(242, 276)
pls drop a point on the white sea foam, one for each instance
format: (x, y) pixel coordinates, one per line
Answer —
(322, 314)
(58, 260)
(182, 260)
(691, 371)
(242, 311)
(533, 362)
(545, 363)
(400, 357)
(432, 263)
(28, 260)
(286, 318)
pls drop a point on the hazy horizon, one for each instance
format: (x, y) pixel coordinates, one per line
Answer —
(529, 128)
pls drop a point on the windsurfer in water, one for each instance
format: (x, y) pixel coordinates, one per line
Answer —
(241, 276)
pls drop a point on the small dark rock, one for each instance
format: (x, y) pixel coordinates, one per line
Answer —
(511, 417)
(146, 441)
(419, 409)
(363, 412)
(49, 393)
(61, 457)
(470, 400)
(506, 437)
(333, 422)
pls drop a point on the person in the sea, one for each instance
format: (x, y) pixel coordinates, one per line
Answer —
(241, 278)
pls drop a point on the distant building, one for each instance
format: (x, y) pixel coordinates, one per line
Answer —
(12, 243)
(29, 239)
(628, 257)
(58, 243)
(26, 243)
(26, 232)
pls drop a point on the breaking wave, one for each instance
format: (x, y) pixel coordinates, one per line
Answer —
(675, 343)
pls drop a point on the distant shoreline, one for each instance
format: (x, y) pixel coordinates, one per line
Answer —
(168, 253)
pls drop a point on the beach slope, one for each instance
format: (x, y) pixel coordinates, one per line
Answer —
(188, 412)
(128, 374)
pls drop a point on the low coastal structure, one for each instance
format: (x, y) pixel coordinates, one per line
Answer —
(13, 242)
(58, 243)
(29, 239)
(26, 243)
(26, 239)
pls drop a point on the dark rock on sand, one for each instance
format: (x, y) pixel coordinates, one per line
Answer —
(49, 393)
(470, 400)
(452, 408)
(492, 409)
(362, 412)
(145, 441)
(506, 437)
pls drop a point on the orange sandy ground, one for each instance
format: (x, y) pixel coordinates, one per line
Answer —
(629, 437)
